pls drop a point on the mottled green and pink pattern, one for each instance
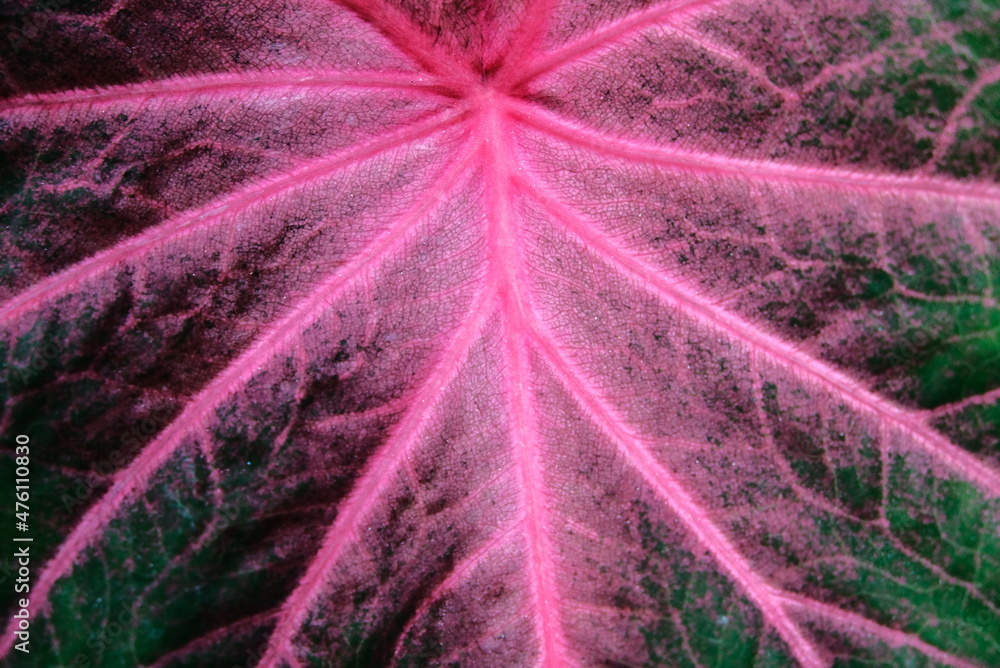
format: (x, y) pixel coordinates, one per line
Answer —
(494, 333)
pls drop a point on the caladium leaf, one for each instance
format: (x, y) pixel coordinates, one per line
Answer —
(378, 332)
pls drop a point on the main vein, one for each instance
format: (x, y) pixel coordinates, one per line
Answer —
(507, 267)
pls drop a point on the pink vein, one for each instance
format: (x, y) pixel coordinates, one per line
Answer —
(529, 35)
(413, 42)
(751, 69)
(950, 409)
(950, 130)
(506, 266)
(376, 478)
(672, 491)
(532, 484)
(133, 479)
(608, 34)
(189, 222)
(689, 302)
(890, 636)
(721, 165)
(206, 641)
(204, 84)
(455, 577)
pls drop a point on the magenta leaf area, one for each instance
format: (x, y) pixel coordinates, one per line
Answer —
(481, 333)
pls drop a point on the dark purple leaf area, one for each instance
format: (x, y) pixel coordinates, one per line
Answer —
(482, 333)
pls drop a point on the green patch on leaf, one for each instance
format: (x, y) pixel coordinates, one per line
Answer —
(976, 428)
(703, 620)
(935, 573)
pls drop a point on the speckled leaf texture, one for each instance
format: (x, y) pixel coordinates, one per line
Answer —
(503, 333)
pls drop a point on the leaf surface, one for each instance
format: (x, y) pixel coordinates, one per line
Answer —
(562, 333)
